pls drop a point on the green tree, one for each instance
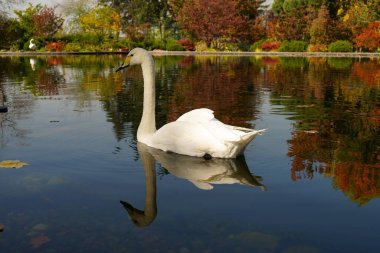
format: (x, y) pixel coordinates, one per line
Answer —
(10, 32)
(137, 15)
(25, 25)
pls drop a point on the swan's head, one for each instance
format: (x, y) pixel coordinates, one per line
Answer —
(135, 57)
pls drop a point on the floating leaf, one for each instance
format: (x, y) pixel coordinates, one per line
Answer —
(16, 164)
(38, 241)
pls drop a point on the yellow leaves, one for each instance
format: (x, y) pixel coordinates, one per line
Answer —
(346, 18)
(101, 20)
(340, 11)
(15, 164)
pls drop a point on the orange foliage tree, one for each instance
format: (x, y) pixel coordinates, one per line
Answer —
(369, 38)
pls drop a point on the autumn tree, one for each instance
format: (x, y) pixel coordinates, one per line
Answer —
(319, 27)
(295, 24)
(253, 12)
(369, 38)
(47, 22)
(358, 16)
(218, 19)
(102, 20)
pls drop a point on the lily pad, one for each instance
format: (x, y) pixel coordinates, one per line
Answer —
(15, 164)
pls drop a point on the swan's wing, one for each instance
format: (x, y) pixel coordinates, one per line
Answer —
(197, 115)
(189, 138)
(206, 117)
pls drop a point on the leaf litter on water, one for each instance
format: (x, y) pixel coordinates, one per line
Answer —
(14, 164)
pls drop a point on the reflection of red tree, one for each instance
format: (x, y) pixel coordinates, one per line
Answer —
(270, 61)
(186, 62)
(361, 182)
(55, 60)
(305, 150)
(217, 86)
(48, 84)
(368, 72)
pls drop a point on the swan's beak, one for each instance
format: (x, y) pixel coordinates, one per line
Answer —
(125, 64)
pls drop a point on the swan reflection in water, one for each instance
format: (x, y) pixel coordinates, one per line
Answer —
(202, 173)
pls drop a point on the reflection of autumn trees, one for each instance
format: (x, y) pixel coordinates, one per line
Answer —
(336, 123)
(18, 101)
(334, 104)
(358, 180)
(368, 72)
(223, 84)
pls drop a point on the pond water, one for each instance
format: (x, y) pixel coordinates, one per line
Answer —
(311, 183)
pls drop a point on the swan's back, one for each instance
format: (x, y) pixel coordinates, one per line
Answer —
(198, 133)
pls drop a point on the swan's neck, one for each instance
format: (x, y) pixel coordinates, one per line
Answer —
(148, 121)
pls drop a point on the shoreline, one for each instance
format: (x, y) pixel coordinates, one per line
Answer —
(194, 53)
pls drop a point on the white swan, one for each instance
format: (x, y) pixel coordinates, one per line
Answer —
(196, 133)
(32, 46)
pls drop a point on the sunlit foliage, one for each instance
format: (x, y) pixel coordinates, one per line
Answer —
(102, 20)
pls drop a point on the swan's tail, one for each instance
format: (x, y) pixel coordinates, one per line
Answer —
(247, 137)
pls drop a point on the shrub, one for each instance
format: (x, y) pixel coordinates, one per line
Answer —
(270, 45)
(340, 46)
(172, 45)
(55, 46)
(201, 46)
(318, 48)
(73, 47)
(39, 41)
(188, 45)
(256, 47)
(293, 46)
(83, 38)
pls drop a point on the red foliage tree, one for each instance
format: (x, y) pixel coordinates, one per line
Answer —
(212, 19)
(370, 37)
(47, 22)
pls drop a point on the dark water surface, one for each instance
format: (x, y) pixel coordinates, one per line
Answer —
(311, 183)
